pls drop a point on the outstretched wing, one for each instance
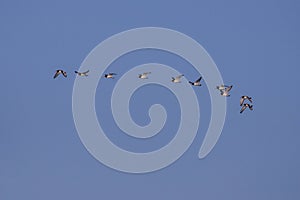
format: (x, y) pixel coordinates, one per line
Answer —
(199, 79)
(221, 87)
(56, 74)
(178, 77)
(242, 101)
(250, 99)
(228, 88)
(64, 73)
(243, 108)
(251, 107)
(86, 72)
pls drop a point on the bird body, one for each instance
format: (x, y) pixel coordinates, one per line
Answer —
(110, 75)
(144, 75)
(82, 73)
(58, 72)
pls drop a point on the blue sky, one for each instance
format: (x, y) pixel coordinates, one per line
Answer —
(255, 45)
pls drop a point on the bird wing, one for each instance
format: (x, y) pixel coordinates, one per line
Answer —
(178, 77)
(112, 74)
(199, 79)
(242, 101)
(86, 72)
(250, 99)
(57, 73)
(64, 73)
(243, 108)
(221, 87)
(228, 89)
(251, 107)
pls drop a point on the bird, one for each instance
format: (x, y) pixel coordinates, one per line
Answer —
(197, 82)
(225, 92)
(82, 73)
(60, 71)
(177, 79)
(246, 105)
(243, 98)
(110, 75)
(222, 87)
(144, 75)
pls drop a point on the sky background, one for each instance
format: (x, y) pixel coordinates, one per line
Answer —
(255, 45)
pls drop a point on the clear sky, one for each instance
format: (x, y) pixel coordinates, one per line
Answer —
(255, 45)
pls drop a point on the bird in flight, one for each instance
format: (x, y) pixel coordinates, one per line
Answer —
(110, 75)
(82, 73)
(246, 105)
(144, 75)
(243, 98)
(177, 79)
(225, 92)
(197, 82)
(60, 71)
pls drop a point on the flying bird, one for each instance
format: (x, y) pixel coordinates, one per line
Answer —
(243, 98)
(60, 71)
(110, 75)
(82, 73)
(177, 79)
(197, 82)
(225, 92)
(246, 105)
(144, 75)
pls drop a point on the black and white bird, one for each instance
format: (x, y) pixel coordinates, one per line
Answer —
(82, 73)
(246, 105)
(197, 82)
(225, 92)
(243, 98)
(144, 75)
(110, 75)
(60, 71)
(177, 79)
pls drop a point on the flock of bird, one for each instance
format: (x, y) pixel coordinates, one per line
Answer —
(224, 89)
